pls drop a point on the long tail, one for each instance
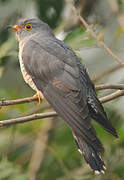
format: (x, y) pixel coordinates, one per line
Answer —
(91, 156)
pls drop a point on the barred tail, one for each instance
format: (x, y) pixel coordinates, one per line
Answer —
(91, 156)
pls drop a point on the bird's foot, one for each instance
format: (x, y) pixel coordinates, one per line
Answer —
(39, 96)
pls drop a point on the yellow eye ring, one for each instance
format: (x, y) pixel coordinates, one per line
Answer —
(28, 27)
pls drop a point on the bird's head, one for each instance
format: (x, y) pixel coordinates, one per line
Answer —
(28, 27)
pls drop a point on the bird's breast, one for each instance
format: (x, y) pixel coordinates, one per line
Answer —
(26, 76)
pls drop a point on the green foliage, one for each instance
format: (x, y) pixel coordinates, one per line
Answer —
(80, 38)
(6, 48)
(9, 171)
(50, 11)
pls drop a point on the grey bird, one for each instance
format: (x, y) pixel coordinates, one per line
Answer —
(54, 71)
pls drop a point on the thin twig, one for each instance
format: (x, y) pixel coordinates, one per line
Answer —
(93, 34)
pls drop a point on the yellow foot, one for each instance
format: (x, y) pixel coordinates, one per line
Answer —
(39, 96)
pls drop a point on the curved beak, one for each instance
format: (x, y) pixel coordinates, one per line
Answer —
(15, 27)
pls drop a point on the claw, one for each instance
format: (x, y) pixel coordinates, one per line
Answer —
(39, 96)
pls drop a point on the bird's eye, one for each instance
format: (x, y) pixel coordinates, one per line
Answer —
(28, 27)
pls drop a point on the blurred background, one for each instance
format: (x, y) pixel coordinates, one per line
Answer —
(45, 149)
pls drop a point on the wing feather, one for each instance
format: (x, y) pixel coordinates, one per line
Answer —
(70, 112)
(58, 73)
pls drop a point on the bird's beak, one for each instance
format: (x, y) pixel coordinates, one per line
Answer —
(15, 27)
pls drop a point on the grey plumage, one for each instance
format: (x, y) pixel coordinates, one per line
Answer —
(59, 75)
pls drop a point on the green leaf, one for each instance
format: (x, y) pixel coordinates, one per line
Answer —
(79, 38)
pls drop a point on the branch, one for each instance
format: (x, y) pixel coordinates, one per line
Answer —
(94, 35)
(4, 102)
(52, 114)
(109, 86)
(112, 96)
(27, 118)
